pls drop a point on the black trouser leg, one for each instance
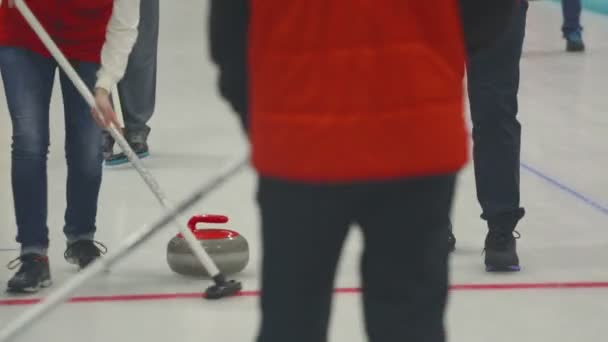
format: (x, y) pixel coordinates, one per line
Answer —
(404, 266)
(493, 82)
(303, 229)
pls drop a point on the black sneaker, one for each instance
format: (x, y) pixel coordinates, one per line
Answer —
(84, 252)
(574, 42)
(33, 274)
(451, 239)
(108, 145)
(501, 251)
(138, 141)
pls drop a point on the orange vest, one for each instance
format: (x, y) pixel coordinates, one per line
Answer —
(348, 91)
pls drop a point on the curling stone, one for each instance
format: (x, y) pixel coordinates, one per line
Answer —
(228, 249)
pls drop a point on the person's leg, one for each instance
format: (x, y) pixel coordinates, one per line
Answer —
(137, 89)
(572, 29)
(303, 228)
(493, 83)
(571, 10)
(84, 159)
(404, 265)
(28, 83)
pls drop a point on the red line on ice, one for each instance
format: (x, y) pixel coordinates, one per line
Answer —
(194, 295)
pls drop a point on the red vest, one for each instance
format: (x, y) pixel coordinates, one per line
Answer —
(78, 27)
(346, 91)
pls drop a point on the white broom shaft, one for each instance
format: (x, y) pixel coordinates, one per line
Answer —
(118, 106)
(193, 243)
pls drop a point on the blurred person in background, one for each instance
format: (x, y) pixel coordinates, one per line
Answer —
(572, 29)
(354, 111)
(137, 89)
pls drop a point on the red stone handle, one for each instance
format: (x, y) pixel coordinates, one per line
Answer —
(218, 219)
(209, 234)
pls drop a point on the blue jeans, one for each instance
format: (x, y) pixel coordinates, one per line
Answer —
(28, 83)
(493, 82)
(572, 16)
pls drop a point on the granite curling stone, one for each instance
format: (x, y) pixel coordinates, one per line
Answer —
(227, 248)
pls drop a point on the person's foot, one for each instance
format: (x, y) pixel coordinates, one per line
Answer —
(33, 274)
(574, 42)
(108, 145)
(501, 251)
(138, 141)
(84, 252)
(451, 239)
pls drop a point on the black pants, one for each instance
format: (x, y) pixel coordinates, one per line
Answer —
(403, 267)
(493, 83)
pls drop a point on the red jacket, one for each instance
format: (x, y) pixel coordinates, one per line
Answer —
(77, 26)
(342, 91)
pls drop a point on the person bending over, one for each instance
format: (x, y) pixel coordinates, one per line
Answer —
(97, 37)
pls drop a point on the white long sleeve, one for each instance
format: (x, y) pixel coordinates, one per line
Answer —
(120, 38)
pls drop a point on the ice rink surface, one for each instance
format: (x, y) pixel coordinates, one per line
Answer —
(561, 295)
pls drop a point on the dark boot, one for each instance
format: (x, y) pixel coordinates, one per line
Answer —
(108, 145)
(574, 42)
(451, 239)
(84, 252)
(501, 250)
